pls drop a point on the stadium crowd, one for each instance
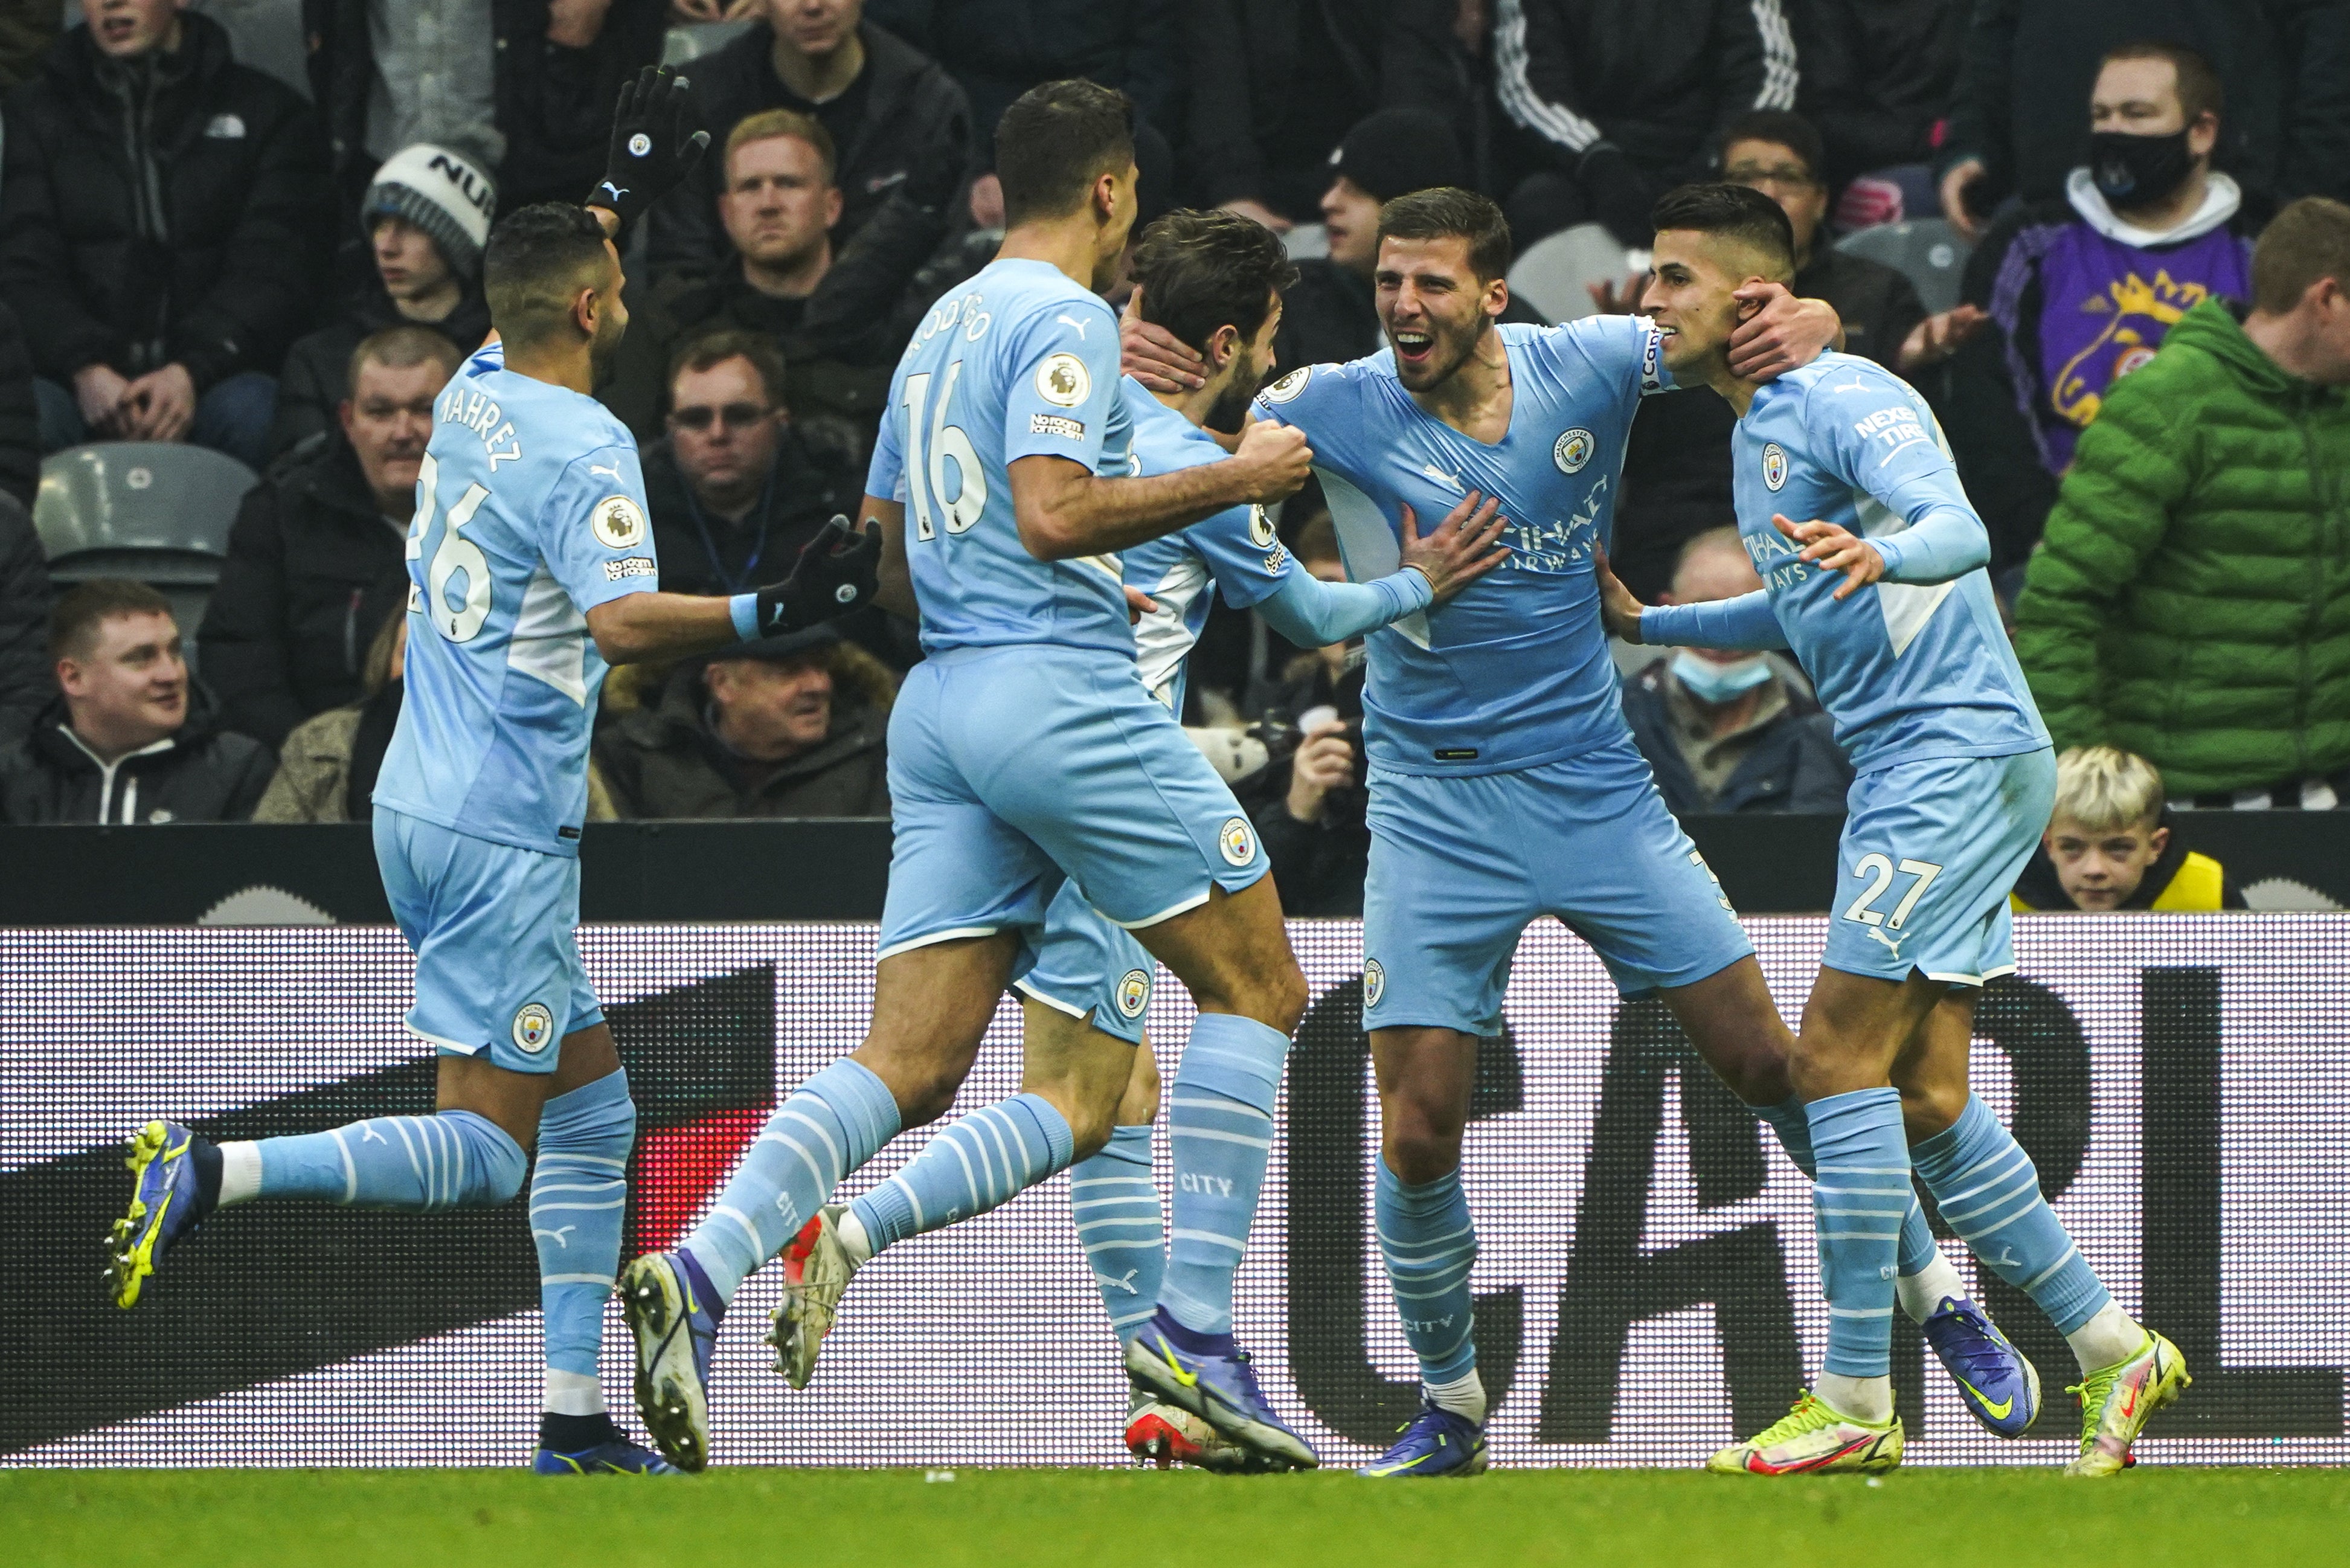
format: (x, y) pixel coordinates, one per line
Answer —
(2106, 242)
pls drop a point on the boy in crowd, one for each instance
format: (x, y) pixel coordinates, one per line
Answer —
(2111, 844)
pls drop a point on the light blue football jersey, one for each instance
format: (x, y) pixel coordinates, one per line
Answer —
(530, 512)
(1236, 551)
(1016, 362)
(1908, 672)
(1515, 671)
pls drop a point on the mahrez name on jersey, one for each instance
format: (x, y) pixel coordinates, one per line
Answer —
(463, 405)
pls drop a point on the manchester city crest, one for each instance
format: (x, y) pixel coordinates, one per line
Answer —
(1374, 980)
(1774, 465)
(1133, 992)
(1238, 843)
(1572, 450)
(534, 1027)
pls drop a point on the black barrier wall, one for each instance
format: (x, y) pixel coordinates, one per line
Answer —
(1645, 1287)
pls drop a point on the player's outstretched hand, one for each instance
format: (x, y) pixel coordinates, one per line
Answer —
(838, 571)
(1154, 355)
(1619, 612)
(1462, 548)
(1830, 545)
(1785, 333)
(1276, 457)
(651, 147)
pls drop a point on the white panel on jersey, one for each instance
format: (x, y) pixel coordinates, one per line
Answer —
(1907, 607)
(1366, 542)
(550, 638)
(1163, 640)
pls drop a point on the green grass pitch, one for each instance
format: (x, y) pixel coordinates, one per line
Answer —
(1099, 1518)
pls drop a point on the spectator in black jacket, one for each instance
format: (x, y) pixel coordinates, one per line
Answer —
(1877, 79)
(778, 203)
(427, 217)
(20, 414)
(130, 739)
(26, 684)
(1729, 731)
(1621, 103)
(317, 557)
(1275, 83)
(888, 107)
(156, 219)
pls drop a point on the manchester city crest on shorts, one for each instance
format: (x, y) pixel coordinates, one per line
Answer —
(1374, 980)
(534, 1026)
(1289, 386)
(1062, 381)
(1134, 993)
(617, 522)
(1572, 450)
(1238, 843)
(1260, 528)
(1774, 465)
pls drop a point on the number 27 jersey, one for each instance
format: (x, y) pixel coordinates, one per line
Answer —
(1018, 361)
(530, 512)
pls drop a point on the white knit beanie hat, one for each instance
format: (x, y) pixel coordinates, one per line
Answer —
(444, 194)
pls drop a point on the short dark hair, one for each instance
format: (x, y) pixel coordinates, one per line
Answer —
(1737, 212)
(401, 348)
(1780, 128)
(1054, 141)
(2199, 92)
(86, 606)
(1448, 212)
(1200, 271)
(2307, 240)
(710, 348)
(538, 259)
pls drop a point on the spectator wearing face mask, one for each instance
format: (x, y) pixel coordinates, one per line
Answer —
(793, 726)
(2112, 843)
(1727, 732)
(129, 739)
(2082, 289)
(317, 557)
(427, 217)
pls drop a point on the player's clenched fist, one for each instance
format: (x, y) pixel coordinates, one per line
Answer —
(1276, 457)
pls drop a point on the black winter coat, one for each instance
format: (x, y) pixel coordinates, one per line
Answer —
(317, 374)
(197, 775)
(914, 115)
(1794, 765)
(1876, 77)
(27, 679)
(20, 414)
(160, 212)
(313, 571)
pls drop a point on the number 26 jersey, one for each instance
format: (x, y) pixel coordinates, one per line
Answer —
(530, 512)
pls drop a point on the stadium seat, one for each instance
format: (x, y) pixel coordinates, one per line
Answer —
(1931, 253)
(691, 40)
(1307, 242)
(1554, 274)
(154, 511)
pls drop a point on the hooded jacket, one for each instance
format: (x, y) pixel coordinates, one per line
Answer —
(2190, 601)
(313, 571)
(664, 762)
(317, 375)
(195, 775)
(159, 211)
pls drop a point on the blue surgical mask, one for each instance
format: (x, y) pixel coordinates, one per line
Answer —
(1711, 682)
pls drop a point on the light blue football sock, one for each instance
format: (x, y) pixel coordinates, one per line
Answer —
(1429, 1244)
(454, 1160)
(974, 1164)
(579, 1200)
(1789, 1120)
(833, 1123)
(1858, 1200)
(1989, 1191)
(1114, 1199)
(1220, 1121)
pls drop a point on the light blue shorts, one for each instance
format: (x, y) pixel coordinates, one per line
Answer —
(492, 926)
(1930, 851)
(1014, 769)
(1462, 866)
(1090, 969)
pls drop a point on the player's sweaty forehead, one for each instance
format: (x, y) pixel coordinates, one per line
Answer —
(1433, 266)
(1717, 263)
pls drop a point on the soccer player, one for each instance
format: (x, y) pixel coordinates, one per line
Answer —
(1504, 784)
(1883, 597)
(1022, 754)
(1215, 280)
(531, 568)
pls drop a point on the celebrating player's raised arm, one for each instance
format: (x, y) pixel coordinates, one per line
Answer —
(838, 571)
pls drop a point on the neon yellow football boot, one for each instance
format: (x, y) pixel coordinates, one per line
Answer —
(1811, 1440)
(2116, 1402)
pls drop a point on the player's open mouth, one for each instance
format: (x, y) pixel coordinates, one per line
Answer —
(1413, 345)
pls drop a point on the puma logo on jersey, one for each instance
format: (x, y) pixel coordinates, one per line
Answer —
(600, 468)
(1888, 941)
(1451, 482)
(1080, 326)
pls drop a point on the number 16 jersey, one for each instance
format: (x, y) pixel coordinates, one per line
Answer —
(530, 512)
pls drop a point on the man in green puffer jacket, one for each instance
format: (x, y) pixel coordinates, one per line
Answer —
(2190, 601)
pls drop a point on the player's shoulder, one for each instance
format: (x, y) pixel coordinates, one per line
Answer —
(1034, 294)
(1831, 386)
(1610, 344)
(1311, 388)
(1163, 438)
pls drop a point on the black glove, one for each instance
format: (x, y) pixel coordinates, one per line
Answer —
(652, 151)
(838, 570)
